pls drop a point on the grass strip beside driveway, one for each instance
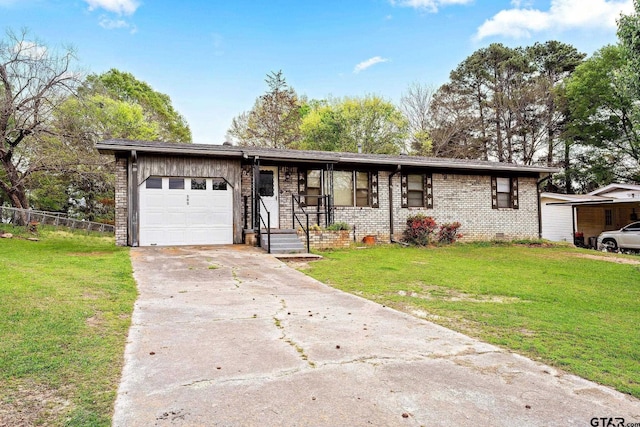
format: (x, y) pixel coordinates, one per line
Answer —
(551, 304)
(65, 309)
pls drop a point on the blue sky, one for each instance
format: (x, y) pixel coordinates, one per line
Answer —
(212, 56)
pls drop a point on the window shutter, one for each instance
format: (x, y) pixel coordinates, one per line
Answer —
(403, 191)
(302, 186)
(494, 192)
(428, 190)
(514, 193)
(375, 202)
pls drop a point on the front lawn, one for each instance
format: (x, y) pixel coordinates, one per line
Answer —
(569, 308)
(65, 309)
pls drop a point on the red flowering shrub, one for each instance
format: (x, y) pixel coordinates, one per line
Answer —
(420, 230)
(448, 233)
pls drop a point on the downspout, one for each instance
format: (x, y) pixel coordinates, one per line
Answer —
(573, 224)
(546, 178)
(254, 194)
(135, 205)
(391, 203)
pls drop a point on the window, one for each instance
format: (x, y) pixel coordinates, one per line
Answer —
(219, 184)
(176, 183)
(349, 188)
(198, 184)
(154, 182)
(633, 227)
(343, 188)
(503, 186)
(314, 186)
(415, 191)
(504, 192)
(362, 189)
(608, 217)
(265, 186)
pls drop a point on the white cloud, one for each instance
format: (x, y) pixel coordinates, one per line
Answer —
(562, 15)
(369, 63)
(428, 5)
(121, 7)
(112, 24)
(116, 24)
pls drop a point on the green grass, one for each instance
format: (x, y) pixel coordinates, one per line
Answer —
(581, 315)
(65, 309)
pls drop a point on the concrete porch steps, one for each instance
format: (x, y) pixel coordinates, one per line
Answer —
(283, 241)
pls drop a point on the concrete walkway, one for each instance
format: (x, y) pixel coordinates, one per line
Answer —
(230, 336)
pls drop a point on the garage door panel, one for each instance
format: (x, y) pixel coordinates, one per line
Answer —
(155, 219)
(185, 217)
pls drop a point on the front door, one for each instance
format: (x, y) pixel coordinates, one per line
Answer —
(268, 190)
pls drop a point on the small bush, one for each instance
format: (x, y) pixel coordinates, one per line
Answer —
(420, 230)
(448, 233)
(338, 226)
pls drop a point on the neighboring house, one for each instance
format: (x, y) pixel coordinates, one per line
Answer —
(587, 215)
(181, 194)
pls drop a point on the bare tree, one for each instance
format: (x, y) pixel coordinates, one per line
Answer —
(34, 81)
(415, 104)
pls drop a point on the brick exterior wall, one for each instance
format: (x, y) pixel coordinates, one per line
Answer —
(327, 239)
(245, 190)
(121, 200)
(370, 221)
(467, 199)
(462, 198)
(287, 186)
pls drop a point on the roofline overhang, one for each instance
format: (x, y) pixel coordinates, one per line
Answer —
(115, 146)
(597, 202)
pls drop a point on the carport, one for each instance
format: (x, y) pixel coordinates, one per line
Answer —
(592, 217)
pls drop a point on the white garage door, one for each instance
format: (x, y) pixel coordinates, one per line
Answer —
(185, 211)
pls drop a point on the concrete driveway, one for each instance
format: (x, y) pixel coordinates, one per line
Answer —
(230, 336)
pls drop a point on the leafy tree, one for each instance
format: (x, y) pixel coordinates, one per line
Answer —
(604, 119)
(274, 120)
(553, 63)
(157, 110)
(34, 81)
(629, 36)
(371, 123)
(506, 104)
(109, 105)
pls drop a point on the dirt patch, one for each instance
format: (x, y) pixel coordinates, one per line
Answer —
(297, 264)
(32, 404)
(95, 320)
(610, 258)
(440, 293)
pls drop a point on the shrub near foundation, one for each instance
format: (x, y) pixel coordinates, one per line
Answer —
(421, 231)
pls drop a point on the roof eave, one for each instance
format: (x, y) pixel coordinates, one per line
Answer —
(123, 146)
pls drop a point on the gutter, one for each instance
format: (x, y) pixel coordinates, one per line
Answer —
(540, 181)
(391, 203)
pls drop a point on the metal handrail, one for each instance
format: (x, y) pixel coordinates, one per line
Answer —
(268, 224)
(324, 201)
(51, 218)
(295, 218)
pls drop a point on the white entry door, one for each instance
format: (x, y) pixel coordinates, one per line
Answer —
(268, 190)
(185, 211)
